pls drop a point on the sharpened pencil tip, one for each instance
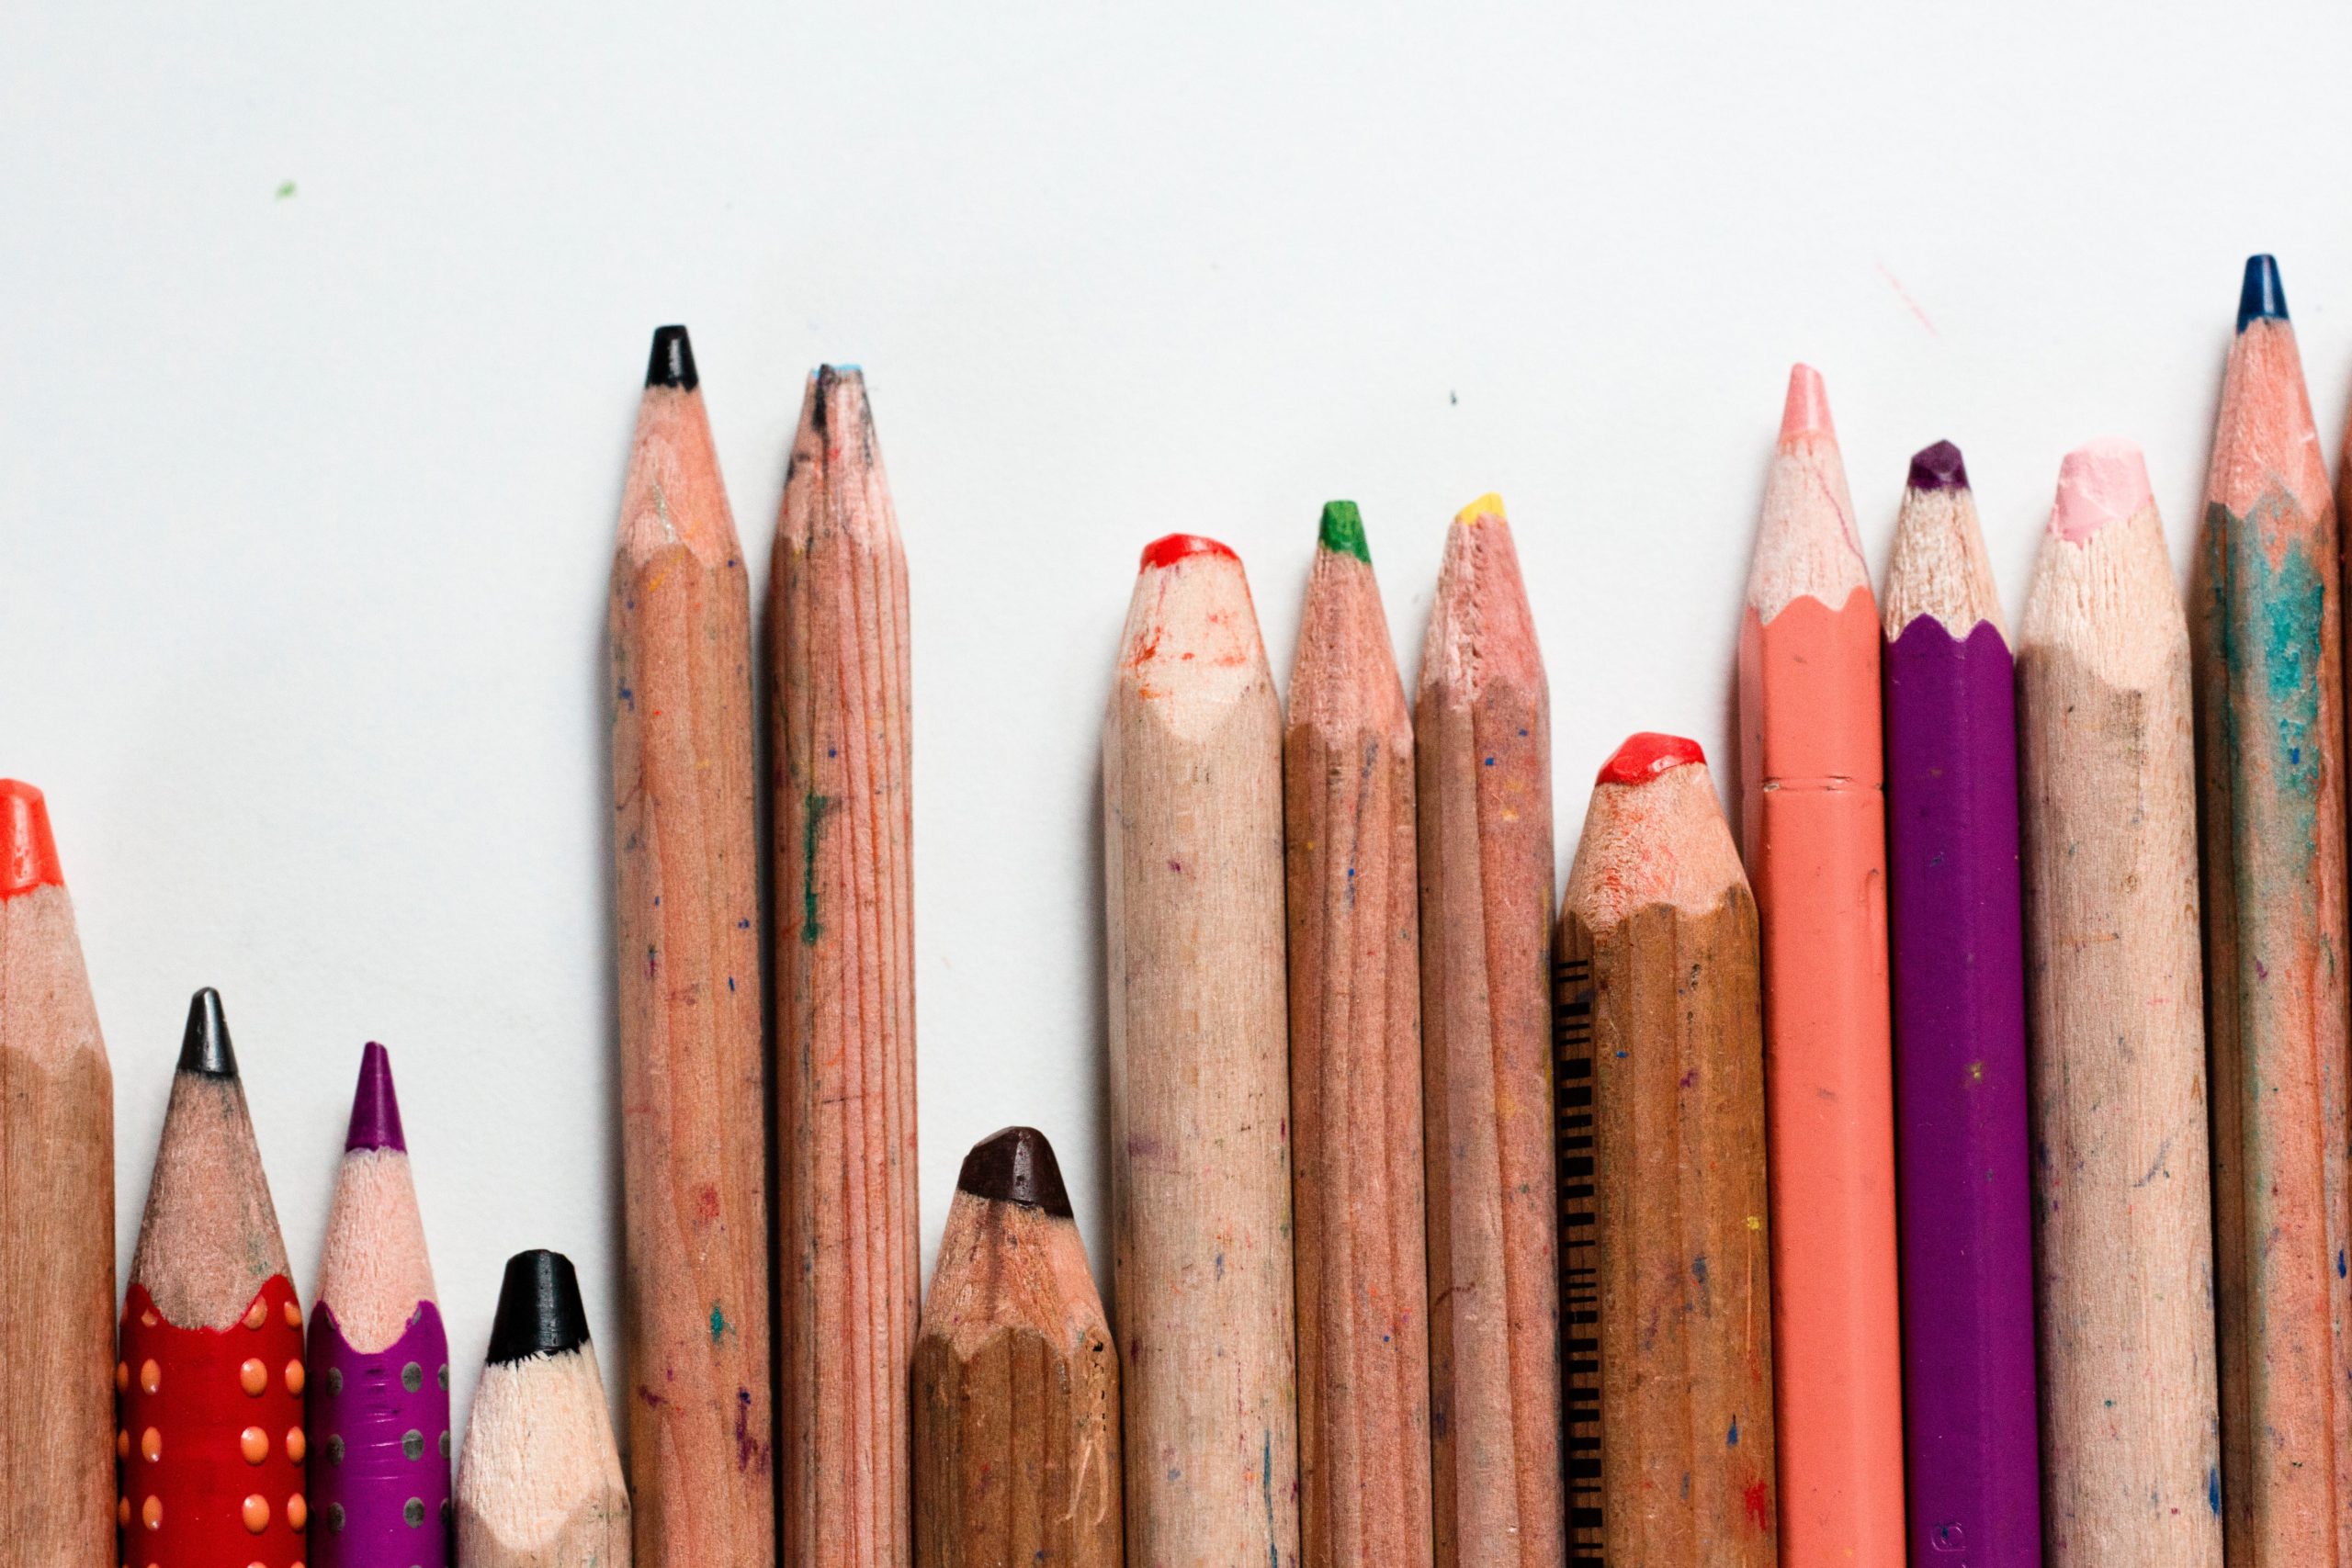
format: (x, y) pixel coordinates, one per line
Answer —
(673, 363)
(1169, 548)
(2103, 482)
(1016, 1165)
(2262, 296)
(1807, 412)
(205, 1047)
(540, 1311)
(375, 1110)
(1647, 755)
(28, 852)
(1939, 467)
(1342, 531)
(1488, 508)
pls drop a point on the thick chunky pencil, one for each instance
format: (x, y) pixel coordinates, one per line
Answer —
(1355, 1074)
(1815, 830)
(378, 1359)
(1483, 743)
(2270, 745)
(56, 1214)
(539, 1483)
(210, 1374)
(1959, 994)
(1200, 1078)
(2123, 1257)
(694, 1293)
(1657, 949)
(1016, 1378)
(844, 960)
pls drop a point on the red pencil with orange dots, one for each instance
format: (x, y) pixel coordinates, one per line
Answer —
(210, 1374)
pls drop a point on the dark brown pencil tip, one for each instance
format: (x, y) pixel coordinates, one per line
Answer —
(672, 364)
(205, 1047)
(538, 1309)
(1016, 1165)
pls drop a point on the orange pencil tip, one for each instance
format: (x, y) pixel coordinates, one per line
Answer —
(1807, 410)
(28, 853)
(1647, 755)
(1169, 548)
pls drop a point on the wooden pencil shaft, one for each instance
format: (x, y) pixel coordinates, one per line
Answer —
(540, 1482)
(845, 957)
(695, 1282)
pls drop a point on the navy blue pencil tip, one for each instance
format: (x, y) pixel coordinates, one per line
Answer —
(2263, 298)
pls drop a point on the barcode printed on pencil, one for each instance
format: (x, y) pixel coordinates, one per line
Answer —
(1572, 1068)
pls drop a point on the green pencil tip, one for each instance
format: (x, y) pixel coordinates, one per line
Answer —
(1344, 530)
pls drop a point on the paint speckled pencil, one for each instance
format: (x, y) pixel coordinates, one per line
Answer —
(1959, 993)
(2270, 745)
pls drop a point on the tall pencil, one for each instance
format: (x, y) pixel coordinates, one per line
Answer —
(2270, 746)
(1658, 955)
(694, 1292)
(2122, 1241)
(1016, 1377)
(56, 1213)
(1483, 740)
(844, 960)
(1355, 1052)
(378, 1359)
(539, 1483)
(210, 1374)
(1958, 991)
(1200, 1081)
(1815, 832)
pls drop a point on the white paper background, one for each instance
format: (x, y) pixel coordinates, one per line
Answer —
(306, 503)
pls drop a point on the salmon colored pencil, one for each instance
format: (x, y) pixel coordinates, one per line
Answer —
(1815, 828)
(56, 1214)
(2270, 743)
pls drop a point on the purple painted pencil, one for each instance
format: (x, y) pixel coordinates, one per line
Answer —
(1972, 1471)
(379, 1385)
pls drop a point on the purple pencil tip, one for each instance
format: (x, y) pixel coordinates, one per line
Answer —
(1939, 467)
(375, 1111)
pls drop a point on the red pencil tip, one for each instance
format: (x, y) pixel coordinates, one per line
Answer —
(1169, 548)
(1808, 410)
(28, 853)
(1646, 756)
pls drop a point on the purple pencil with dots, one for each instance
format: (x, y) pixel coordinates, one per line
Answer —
(379, 1413)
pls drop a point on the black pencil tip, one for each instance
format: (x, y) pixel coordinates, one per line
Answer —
(1016, 1165)
(538, 1309)
(2262, 296)
(672, 364)
(205, 1047)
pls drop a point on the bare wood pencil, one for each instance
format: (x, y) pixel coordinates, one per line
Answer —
(845, 1015)
(1483, 745)
(695, 1287)
(1355, 1039)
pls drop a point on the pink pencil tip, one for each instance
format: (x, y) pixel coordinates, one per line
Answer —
(2102, 482)
(1807, 410)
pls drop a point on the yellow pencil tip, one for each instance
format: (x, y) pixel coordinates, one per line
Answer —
(1489, 505)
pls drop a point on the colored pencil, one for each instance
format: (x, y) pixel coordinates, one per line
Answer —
(1959, 996)
(1016, 1378)
(56, 1213)
(1200, 1081)
(539, 1483)
(378, 1359)
(845, 958)
(210, 1374)
(2270, 746)
(1355, 1074)
(2122, 1239)
(1815, 831)
(1483, 740)
(1657, 962)
(694, 1292)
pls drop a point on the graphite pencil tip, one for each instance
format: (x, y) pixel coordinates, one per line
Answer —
(1807, 412)
(375, 1110)
(2103, 482)
(1646, 755)
(2262, 296)
(204, 1048)
(672, 361)
(540, 1311)
(1169, 548)
(1939, 467)
(1342, 531)
(28, 852)
(1016, 1165)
